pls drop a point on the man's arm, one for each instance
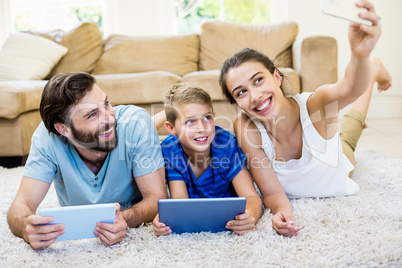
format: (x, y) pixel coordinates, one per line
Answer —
(153, 188)
(22, 218)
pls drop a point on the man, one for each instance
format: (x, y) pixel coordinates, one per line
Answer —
(93, 153)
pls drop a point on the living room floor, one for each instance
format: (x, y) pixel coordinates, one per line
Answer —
(383, 136)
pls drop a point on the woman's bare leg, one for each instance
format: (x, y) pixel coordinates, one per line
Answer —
(383, 78)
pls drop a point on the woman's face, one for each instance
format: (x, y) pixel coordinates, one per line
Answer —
(255, 89)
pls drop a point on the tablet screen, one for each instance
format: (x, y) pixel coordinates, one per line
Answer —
(200, 214)
(80, 221)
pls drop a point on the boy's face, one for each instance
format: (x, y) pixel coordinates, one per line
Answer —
(195, 127)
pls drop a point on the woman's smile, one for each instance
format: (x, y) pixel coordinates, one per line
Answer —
(263, 106)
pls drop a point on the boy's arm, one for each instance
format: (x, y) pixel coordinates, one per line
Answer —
(178, 189)
(22, 218)
(159, 119)
(244, 187)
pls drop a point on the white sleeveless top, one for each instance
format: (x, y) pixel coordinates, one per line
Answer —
(322, 170)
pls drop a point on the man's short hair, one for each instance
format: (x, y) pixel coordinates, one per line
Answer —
(60, 94)
(184, 93)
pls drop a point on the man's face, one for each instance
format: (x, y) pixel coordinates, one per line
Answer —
(92, 140)
(93, 125)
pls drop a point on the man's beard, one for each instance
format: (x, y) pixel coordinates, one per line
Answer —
(92, 141)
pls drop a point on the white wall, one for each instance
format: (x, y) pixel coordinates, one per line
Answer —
(141, 18)
(4, 21)
(127, 17)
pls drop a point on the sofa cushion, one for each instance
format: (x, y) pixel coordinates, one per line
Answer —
(219, 40)
(136, 88)
(128, 54)
(209, 81)
(85, 46)
(17, 97)
(27, 57)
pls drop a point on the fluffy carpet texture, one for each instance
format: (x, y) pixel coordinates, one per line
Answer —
(364, 230)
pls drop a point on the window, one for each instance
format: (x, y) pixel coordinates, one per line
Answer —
(192, 13)
(55, 14)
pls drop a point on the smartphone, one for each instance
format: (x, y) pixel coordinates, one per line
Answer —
(344, 9)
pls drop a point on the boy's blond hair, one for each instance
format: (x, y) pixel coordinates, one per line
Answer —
(184, 93)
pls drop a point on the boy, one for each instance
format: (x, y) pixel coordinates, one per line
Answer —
(203, 160)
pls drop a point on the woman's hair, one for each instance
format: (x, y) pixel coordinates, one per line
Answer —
(245, 55)
(63, 91)
(184, 93)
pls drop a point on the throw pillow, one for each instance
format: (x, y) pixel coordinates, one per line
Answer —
(27, 57)
(85, 46)
(129, 54)
(219, 40)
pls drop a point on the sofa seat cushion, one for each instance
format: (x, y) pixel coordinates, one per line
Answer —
(17, 97)
(84, 43)
(130, 54)
(136, 88)
(219, 40)
(209, 81)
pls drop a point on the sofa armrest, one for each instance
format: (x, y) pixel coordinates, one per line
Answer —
(17, 97)
(315, 59)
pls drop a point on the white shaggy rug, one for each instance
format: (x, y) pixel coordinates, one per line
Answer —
(363, 230)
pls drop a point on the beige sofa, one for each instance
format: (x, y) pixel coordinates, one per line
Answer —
(137, 70)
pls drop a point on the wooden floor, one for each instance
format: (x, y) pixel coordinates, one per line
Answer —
(383, 136)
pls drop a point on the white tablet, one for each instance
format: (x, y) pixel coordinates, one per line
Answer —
(200, 214)
(80, 221)
(344, 9)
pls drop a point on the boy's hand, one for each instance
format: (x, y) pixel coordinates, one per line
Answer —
(110, 234)
(40, 235)
(160, 228)
(283, 225)
(242, 224)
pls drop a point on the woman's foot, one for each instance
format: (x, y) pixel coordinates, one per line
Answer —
(381, 75)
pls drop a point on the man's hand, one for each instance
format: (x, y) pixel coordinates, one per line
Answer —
(242, 224)
(110, 234)
(40, 235)
(283, 225)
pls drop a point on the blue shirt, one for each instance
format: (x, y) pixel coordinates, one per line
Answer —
(53, 158)
(227, 161)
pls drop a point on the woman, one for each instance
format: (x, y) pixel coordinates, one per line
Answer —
(293, 145)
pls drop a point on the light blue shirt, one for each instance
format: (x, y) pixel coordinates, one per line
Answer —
(53, 158)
